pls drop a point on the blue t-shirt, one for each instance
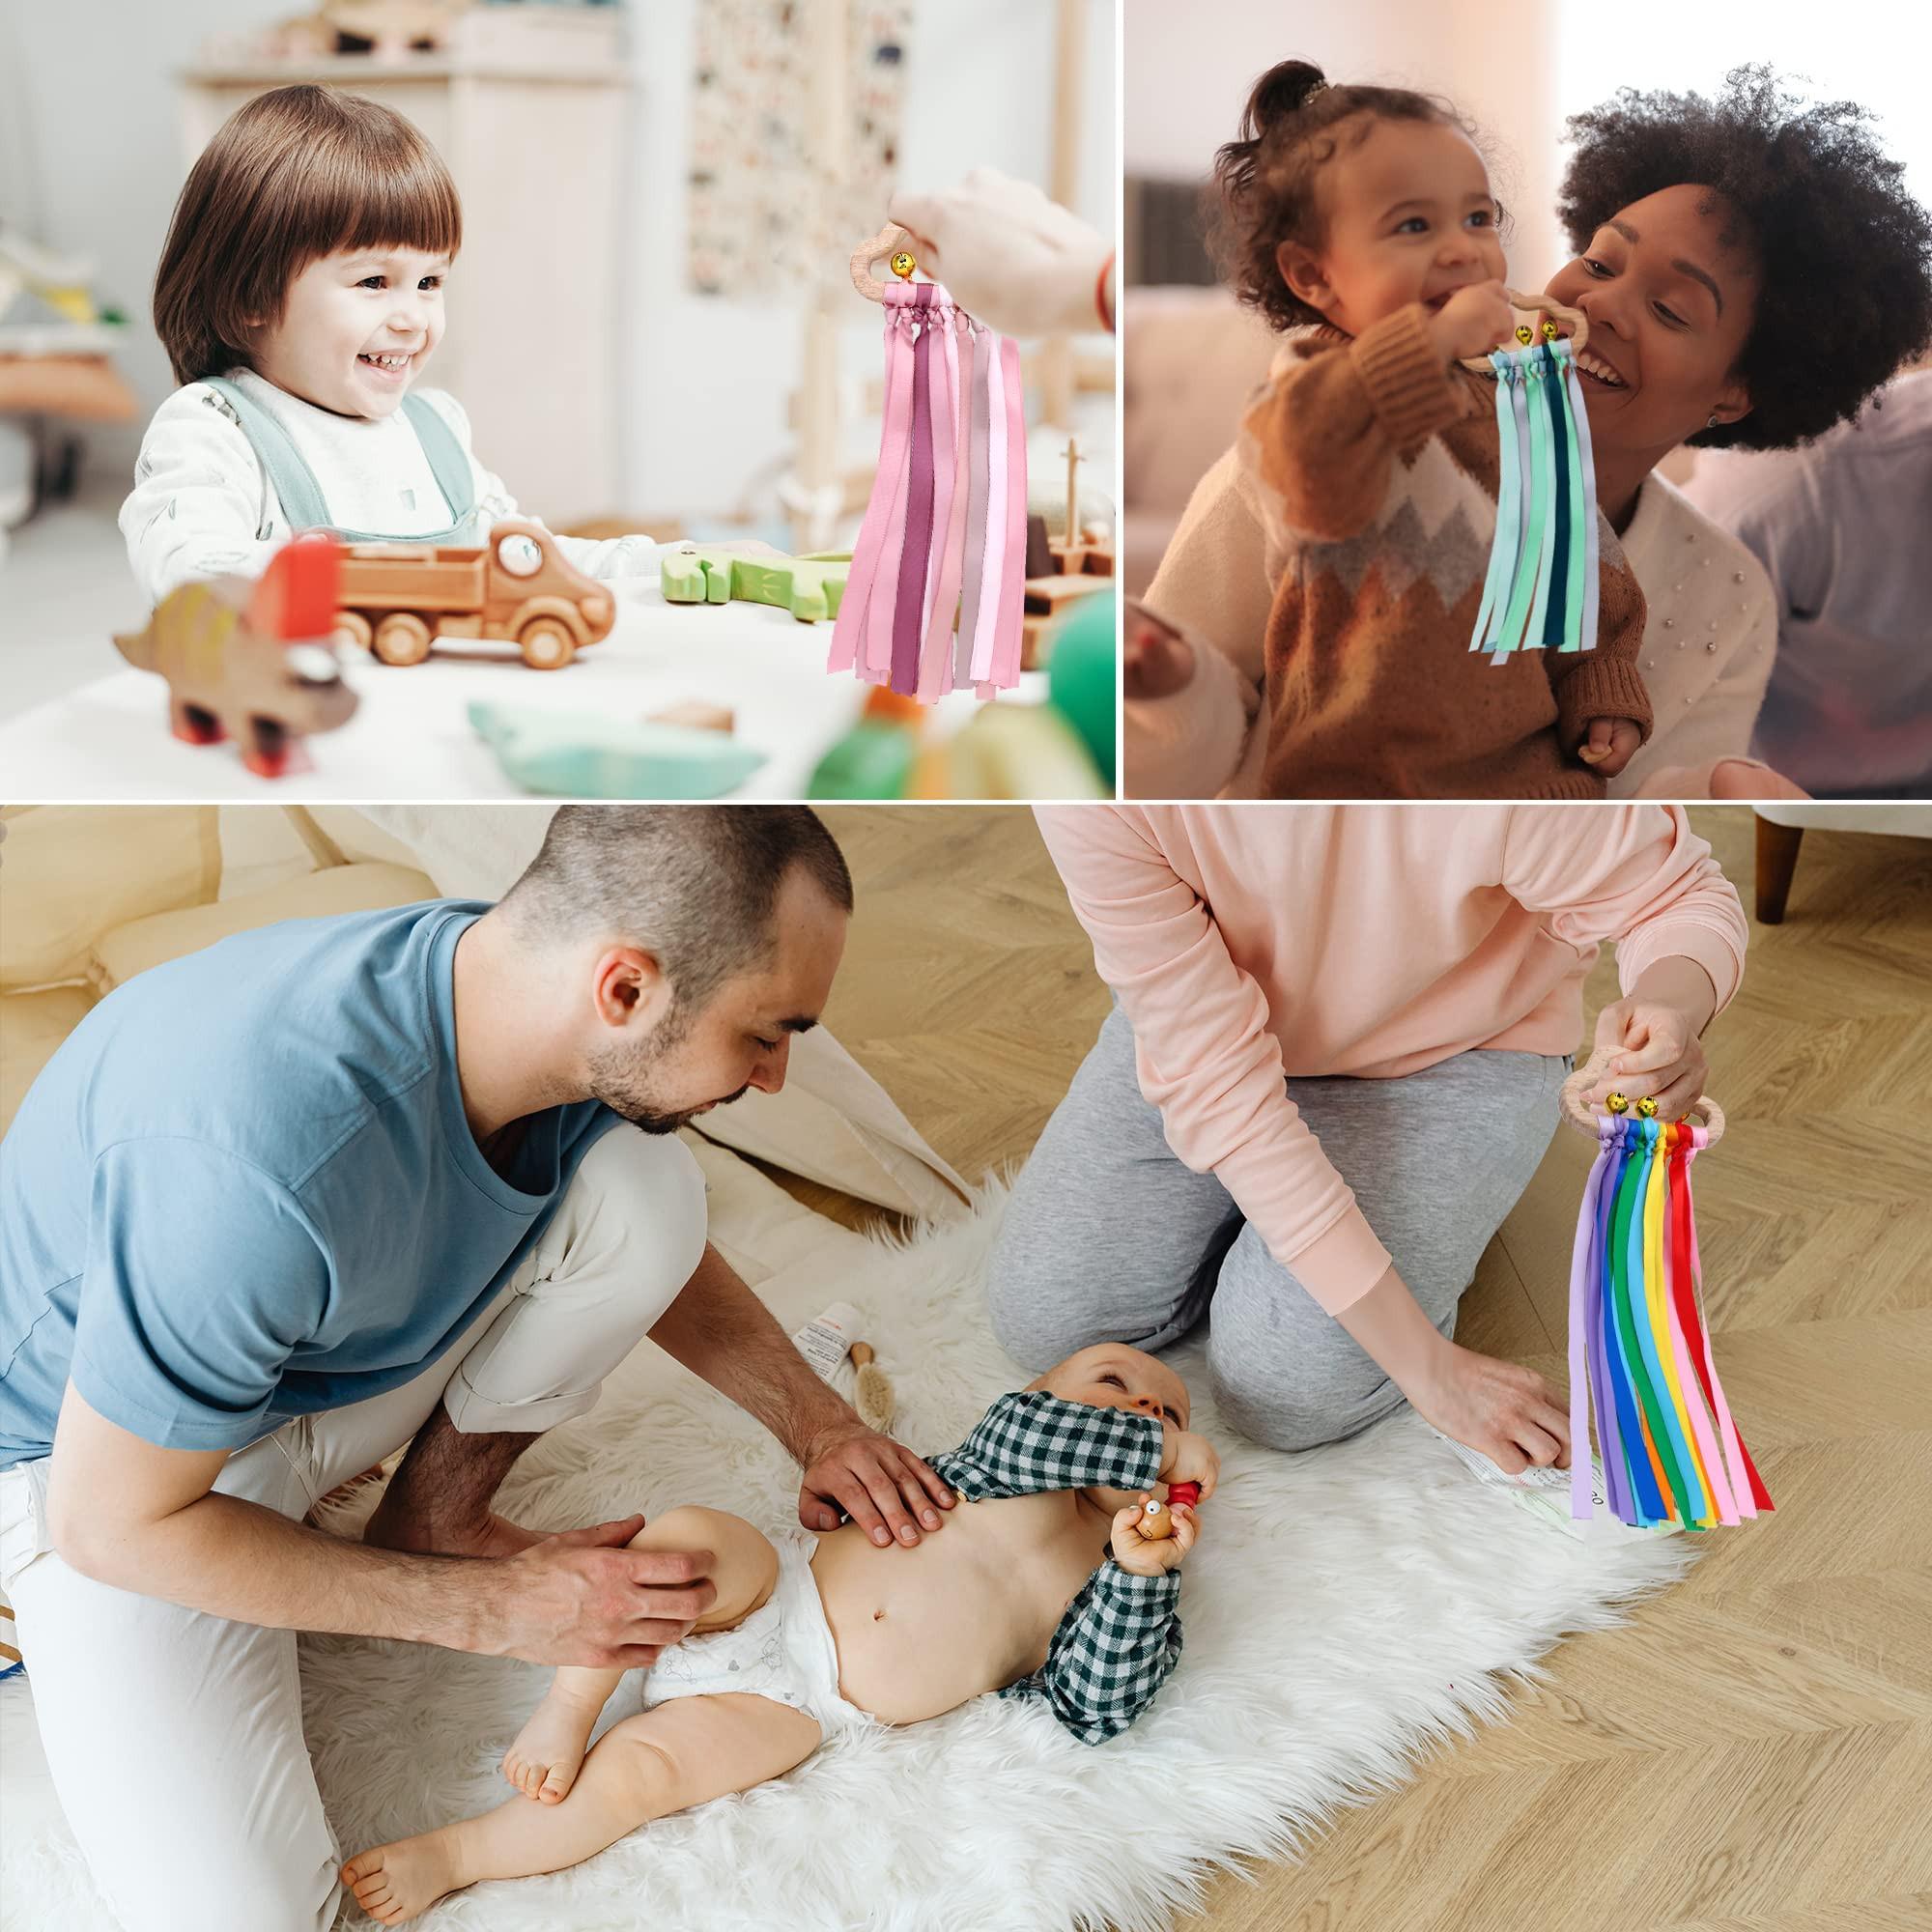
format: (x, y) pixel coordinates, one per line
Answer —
(244, 1188)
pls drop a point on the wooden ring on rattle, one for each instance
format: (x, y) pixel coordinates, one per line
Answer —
(891, 240)
(1579, 324)
(1704, 1111)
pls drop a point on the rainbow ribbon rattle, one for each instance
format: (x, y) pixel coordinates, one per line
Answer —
(1541, 589)
(1639, 1348)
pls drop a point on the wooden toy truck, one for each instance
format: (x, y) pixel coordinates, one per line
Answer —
(250, 659)
(396, 599)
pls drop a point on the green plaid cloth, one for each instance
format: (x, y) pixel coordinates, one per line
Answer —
(1121, 1635)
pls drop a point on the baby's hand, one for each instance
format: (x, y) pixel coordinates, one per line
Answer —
(1156, 660)
(1191, 1459)
(1610, 745)
(1473, 321)
(1153, 1556)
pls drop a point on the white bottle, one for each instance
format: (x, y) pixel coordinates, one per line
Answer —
(825, 1343)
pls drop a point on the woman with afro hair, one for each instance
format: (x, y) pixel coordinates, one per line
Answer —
(1753, 271)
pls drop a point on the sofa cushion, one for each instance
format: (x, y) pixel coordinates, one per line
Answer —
(75, 871)
(1190, 358)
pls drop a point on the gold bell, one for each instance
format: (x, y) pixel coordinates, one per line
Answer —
(1615, 1103)
(1647, 1107)
(1550, 331)
(904, 265)
(1525, 333)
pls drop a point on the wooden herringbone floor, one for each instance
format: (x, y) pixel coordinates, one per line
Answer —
(1753, 1752)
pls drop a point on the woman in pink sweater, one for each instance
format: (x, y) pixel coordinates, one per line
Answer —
(1332, 1070)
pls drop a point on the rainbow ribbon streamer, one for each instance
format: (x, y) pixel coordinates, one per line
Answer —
(1541, 589)
(943, 545)
(1639, 1349)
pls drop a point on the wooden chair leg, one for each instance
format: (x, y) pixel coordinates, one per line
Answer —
(1776, 860)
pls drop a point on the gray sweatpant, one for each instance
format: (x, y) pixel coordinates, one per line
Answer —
(1109, 1238)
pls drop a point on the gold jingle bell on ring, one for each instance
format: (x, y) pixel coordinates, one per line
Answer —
(1156, 1520)
(902, 265)
(1616, 1103)
(1550, 331)
(1525, 333)
(1647, 1107)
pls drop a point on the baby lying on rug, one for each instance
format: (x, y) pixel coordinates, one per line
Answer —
(812, 1635)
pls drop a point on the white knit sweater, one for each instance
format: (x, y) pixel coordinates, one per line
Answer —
(203, 505)
(1707, 648)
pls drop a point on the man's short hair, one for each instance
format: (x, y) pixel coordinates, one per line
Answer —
(693, 885)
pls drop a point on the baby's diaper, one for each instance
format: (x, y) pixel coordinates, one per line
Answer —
(783, 1650)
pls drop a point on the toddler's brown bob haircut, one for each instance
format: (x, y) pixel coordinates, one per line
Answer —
(296, 173)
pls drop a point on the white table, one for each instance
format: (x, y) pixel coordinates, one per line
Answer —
(410, 737)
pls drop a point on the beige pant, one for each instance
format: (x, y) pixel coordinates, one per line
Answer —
(175, 1740)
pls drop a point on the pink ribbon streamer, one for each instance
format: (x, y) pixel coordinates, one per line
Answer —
(1728, 1430)
(934, 599)
(848, 634)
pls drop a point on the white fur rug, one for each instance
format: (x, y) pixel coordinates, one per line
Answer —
(1344, 1609)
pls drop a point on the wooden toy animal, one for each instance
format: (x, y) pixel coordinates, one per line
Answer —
(251, 659)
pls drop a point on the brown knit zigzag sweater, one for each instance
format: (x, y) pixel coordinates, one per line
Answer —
(1379, 469)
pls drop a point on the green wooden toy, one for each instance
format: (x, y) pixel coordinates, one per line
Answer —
(584, 755)
(809, 587)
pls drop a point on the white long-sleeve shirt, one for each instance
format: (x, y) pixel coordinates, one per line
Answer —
(1840, 528)
(203, 504)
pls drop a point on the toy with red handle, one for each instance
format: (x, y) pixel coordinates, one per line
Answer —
(1157, 1519)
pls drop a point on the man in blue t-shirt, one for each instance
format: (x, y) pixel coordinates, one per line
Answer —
(283, 1207)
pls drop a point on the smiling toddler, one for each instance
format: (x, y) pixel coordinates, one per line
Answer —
(300, 296)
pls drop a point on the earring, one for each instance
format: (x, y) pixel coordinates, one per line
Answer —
(1713, 423)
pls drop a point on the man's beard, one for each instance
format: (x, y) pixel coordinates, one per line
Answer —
(653, 1123)
(621, 1082)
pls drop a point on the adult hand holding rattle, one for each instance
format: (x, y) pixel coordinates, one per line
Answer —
(1015, 259)
(1647, 1044)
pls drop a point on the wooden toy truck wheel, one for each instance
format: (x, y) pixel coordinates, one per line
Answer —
(547, 644)
(402, 639)
(352, 628)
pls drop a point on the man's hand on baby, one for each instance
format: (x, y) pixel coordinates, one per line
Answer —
(1473, 322)
(1189, 1458)
(1152, 1556)
(878, 1483)
(1155, 659)
(1610, 746)
(583, 1598)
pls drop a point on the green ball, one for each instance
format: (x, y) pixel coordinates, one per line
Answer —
(1084, 675)
(873, 759)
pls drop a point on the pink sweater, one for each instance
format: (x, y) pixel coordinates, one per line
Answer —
(1267, 940)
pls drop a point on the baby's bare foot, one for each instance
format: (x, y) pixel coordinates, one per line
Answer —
(395, 1882)
(549, 1752)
